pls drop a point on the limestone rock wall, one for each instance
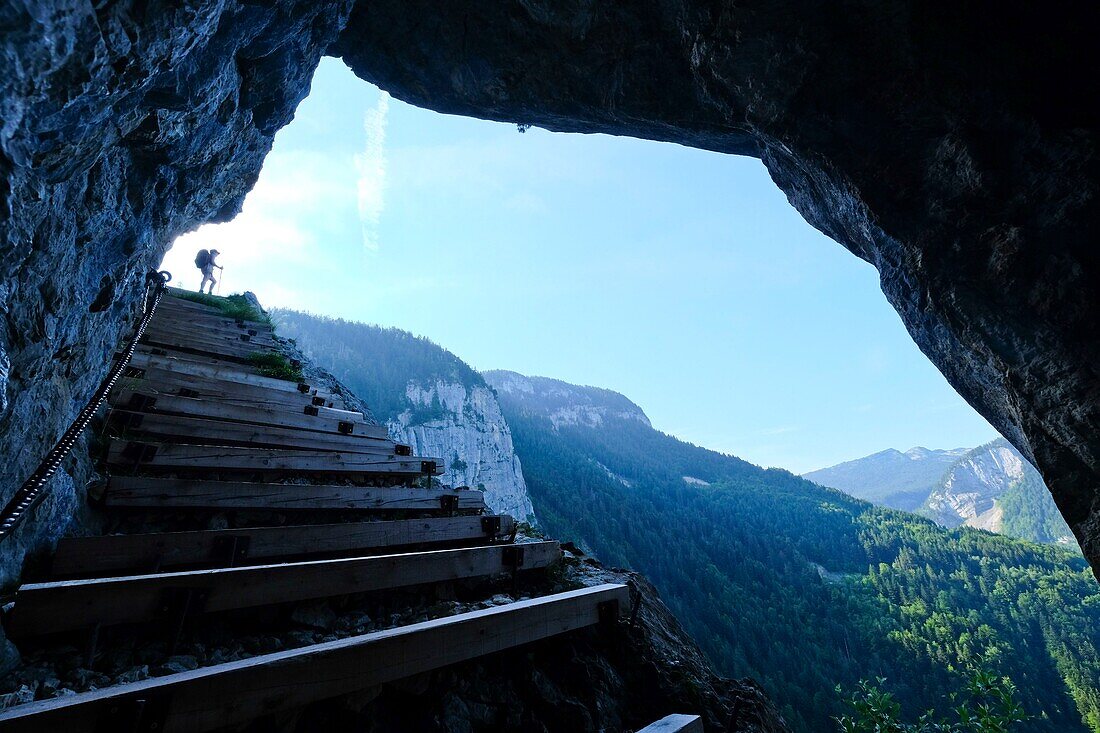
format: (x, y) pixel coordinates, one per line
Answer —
(472, 437)
(953, 146)
(122, 125)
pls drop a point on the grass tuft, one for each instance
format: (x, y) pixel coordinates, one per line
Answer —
(233, 306)
(273, 364)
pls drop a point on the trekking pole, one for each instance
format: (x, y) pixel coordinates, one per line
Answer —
(221, 275)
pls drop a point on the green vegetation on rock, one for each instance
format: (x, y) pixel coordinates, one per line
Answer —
(233, 306)
(275, 365)
(378, 364)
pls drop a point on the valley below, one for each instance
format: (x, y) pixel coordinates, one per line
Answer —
(801, 587)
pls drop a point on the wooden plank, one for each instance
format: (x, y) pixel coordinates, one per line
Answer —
(164, 380)
(164, 330)
(218, 369)
(135, 553)
(181, 457)
(222, 350)
(237, 692)
(180, 428)
(149, 492)
(220, 320)
(67, 605)
(675, 724)
(229, 408)
(280, 417)
(191, 307)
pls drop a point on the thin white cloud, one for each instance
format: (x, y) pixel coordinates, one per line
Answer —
(371, 166)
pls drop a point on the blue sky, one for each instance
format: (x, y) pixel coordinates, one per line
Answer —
(681, 278)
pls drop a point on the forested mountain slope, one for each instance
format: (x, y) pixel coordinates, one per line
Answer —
(990, 487)
(803, 587)
(427, 397)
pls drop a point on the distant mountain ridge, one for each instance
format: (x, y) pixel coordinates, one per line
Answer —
(990, 487)
(564, 403)
(900, 480)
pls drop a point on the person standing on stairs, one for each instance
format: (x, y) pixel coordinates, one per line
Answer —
(205, 261)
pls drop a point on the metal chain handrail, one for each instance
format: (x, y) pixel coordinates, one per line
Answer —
(31, 492)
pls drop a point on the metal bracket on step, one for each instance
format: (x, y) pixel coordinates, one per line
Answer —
(318, 401)
(402, 450)
(252, 332)
(185, 392)
(177, 607)
(491, 525)
(296, 363)
(427, 467)
(141, 403)
(138, 712)
(448, 503)
(139, 452)
(245, 337)
(608, 612)
(345, 427)
(230, 549)
(126, 420)
(511, 556)
(311, 410)
(303, 387)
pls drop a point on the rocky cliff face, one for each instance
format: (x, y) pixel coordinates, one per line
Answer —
(567, 404)
(426, 396)
(994, 488)
(968, 492)
(953, 147)
(469, 432)
(990, 487)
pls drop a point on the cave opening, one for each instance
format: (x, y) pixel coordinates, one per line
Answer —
(680, 277)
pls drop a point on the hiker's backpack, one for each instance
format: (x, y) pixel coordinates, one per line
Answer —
(202, 259)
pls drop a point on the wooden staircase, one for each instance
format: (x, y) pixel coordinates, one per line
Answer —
(327, 506)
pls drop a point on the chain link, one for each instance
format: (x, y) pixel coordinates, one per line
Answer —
(31, 492)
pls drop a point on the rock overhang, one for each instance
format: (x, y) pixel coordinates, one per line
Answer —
(954, 148)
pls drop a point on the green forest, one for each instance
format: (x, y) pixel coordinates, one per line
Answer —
(377, 363)
(803, 588)
(800, 587)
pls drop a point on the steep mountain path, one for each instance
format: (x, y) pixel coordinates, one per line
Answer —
(239, 503)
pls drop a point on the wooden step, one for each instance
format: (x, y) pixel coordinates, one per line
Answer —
(203, 334)
(178, 316)
(182, 305)
(238, 692)
(675, 724)
(222, 350)
(156, 427)
(165, 493)
(324, 421)
(137, 553)
(178, 457)
(205, 387)
(188, 364)
(232, 406)
(67, 605)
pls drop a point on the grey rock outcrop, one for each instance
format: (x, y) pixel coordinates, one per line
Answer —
(953, 147)
(474, 440)
(567, 404)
